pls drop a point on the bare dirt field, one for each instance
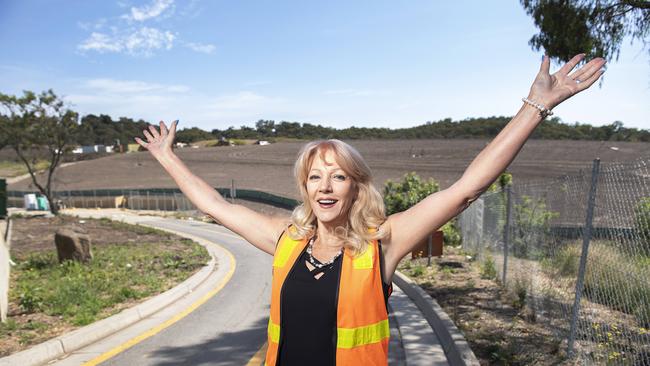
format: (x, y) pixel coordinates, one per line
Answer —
(269, 168)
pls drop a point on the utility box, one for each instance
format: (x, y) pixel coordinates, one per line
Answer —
(3, 198)
(422, 249)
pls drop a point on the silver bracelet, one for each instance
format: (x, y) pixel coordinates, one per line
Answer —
(543, 111)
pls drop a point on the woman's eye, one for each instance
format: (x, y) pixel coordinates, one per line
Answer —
(339, 177)
(312, 177)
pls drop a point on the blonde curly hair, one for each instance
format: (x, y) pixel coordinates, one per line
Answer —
(365, 215)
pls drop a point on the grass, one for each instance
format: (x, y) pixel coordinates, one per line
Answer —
(612, 277)
(13, 169)
(82, 294)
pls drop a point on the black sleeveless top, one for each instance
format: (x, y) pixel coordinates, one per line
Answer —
(308, 313)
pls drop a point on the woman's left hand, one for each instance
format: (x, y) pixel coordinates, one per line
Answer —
(551, 90)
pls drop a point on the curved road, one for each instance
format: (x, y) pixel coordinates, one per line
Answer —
(228, 329)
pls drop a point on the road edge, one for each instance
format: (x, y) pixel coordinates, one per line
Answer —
(59, 346)
(453, 342)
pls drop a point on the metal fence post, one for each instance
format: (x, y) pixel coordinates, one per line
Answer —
(506, 233)
(583, 257)
(232, 190)
(429, 249)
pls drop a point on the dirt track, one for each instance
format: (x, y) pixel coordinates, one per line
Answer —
(269, 168)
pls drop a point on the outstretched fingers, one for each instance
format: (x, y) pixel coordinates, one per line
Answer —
(584, 84)
(154, 132)
(148, 135)
(172, 127)
(140, 142)
(566, 69)
(587, 70)
(163, 129)
(546, 65)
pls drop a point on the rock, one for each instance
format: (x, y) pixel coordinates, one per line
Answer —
(72, 245)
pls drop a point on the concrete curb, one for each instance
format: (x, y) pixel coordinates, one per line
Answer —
(453, 342)
(79, 338)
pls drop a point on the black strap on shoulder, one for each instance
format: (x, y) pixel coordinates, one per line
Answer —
(387, 289)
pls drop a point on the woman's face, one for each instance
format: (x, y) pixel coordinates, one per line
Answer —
(331, 191)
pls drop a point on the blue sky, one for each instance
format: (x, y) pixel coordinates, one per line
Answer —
(215, 64)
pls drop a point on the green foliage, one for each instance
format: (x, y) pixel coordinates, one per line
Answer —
(468, 128)
(81, 293)
(612, 278)
(33, 123)
(189, 135)
(495, 203)
(531, 227)
(451, 233)
(399, 196)
(594, 27)
(488, 268)
(520, 291)
(417, 270)
(642, 220)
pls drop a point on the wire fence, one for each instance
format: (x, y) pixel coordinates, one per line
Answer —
(574, 255)
(158, 199)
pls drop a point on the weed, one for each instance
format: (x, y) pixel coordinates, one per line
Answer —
(488, 268)
(418, 270)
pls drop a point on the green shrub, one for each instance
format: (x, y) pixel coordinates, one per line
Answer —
(451, 233)
(30, 299)
(520, 291)
(488, 268)
(612, 278)
(400, 196)
(642, 219)
(532, 227)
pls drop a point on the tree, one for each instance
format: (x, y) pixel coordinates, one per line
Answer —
(400, 196)
(36, 126)
(594, 27)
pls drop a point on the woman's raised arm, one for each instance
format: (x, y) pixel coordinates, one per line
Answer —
(258, 229)
(411, 226)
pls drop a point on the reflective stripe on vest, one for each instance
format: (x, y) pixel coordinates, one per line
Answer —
(362, 321)
(347, 337)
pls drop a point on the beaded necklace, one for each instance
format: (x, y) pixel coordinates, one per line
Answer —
(314, 262)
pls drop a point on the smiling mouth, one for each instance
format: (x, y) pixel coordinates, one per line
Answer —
(327, 203)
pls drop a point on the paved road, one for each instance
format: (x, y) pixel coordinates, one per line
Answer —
(228, 329)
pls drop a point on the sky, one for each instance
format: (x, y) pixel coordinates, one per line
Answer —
(216, 64)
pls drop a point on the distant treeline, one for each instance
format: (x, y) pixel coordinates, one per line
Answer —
(103, 130)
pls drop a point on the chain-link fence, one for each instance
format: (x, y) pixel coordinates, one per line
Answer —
(580, 270)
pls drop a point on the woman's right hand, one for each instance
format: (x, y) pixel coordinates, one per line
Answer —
(158, 143)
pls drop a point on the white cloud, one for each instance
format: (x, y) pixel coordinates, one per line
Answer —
(356, 92)
(153, 10)
(199, 47)
(146, 40)
(143, 41)
(131, 33)
(131, 86)
(100, 42)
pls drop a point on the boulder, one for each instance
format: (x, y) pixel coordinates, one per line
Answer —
(72, 245)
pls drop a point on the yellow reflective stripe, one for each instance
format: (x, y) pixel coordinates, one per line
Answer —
(364, 261)
(274, 332)
(284, 251)
(355, 337)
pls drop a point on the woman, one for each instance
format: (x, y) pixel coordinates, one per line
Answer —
(336, 255)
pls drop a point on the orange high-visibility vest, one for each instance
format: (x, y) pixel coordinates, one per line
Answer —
(361, 317)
